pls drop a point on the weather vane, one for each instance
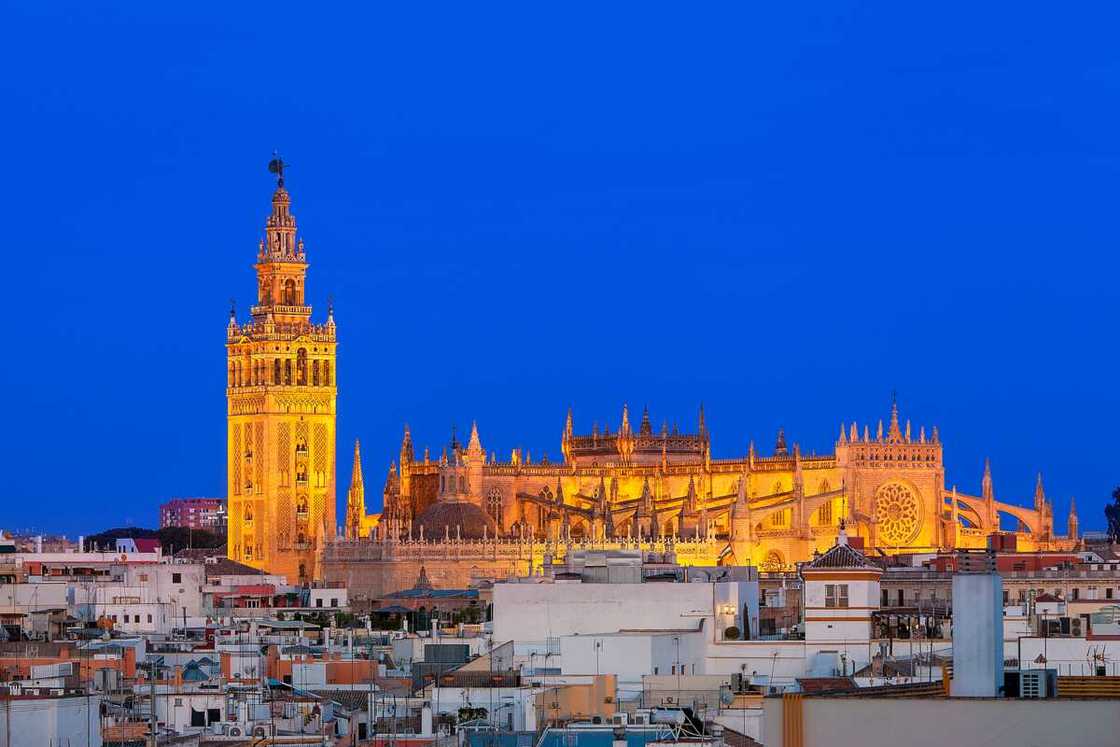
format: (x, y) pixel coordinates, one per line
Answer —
(277, 166)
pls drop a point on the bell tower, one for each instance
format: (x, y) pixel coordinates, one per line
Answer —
(280, 395)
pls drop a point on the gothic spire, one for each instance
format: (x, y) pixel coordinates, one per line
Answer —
(741, 507)
(1039, 494)
(625, 428)
(703, 425)
(780, 444)
(356, 496)
(645, 428)
(474, 446)
(356, 470)
(987, 491)
(406, 446)
(894, 434)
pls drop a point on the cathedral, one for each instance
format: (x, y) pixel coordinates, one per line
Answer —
(467, 516)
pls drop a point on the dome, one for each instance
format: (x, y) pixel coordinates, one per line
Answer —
(445, 516)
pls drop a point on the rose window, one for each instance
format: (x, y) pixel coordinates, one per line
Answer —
(898, 512)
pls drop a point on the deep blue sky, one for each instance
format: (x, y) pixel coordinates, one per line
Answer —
(784, 212)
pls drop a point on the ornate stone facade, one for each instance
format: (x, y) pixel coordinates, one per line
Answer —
(281, 413)
(467, 515)
(662, 491)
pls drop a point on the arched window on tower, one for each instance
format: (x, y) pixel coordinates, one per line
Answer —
(288, 371)
(289, 292)
(301, 367)
(326, 373)
(248, 514)
(315, 372)
(276, 371)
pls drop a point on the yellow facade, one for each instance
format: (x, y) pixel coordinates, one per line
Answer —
(281, 392)
(662, 491)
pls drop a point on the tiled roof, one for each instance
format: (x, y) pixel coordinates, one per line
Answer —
(220, 565)
(147, 545)
(843, 556)
(735, 739)
(811, 685)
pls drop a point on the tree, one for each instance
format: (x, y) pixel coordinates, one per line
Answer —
(170, 538)
(1112, 514)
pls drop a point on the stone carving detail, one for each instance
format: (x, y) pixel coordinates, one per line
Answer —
(899, 513)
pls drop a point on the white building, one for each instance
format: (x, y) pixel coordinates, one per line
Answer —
(841, 591)
(42, 716)
(150, 598)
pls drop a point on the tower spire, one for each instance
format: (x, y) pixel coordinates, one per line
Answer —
(278, 346)
(1071, 522)
(987, 492)
(894, 434)
(780, 444)
(356, 496)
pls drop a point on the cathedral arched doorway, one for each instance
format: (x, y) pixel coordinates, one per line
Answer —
(773, 562)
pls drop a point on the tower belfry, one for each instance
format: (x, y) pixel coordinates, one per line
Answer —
(280, 393)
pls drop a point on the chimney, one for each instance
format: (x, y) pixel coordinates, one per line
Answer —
(977, 626)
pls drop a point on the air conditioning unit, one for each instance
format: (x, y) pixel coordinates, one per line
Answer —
(1075, 627)
(1038, 683)
(262, 730)
(233, 730)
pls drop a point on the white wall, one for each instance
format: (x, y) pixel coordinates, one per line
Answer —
(47, 721)
(977, 634)
(174, 708)
(30, 597)
(937, 722)
(323, 598)
(536, 612)
(1067, 655)
(499, 702)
